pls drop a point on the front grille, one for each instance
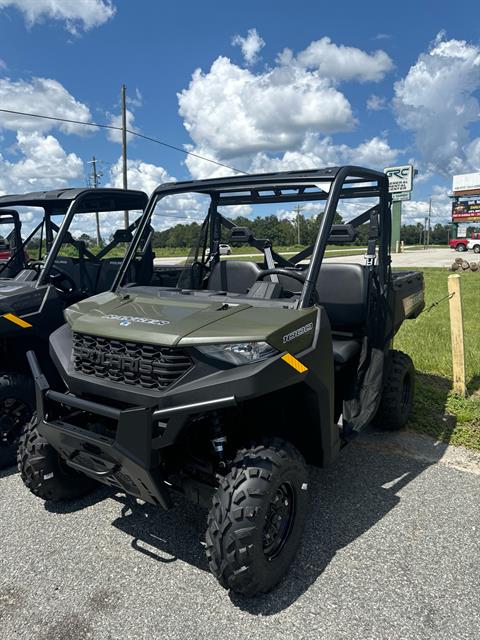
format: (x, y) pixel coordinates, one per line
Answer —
(132, 363)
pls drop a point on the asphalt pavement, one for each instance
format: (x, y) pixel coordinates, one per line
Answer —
(391, 551)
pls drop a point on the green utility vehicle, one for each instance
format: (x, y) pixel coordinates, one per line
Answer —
(66, 270)
(224, 385)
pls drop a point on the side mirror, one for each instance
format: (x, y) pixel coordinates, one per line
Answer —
(342, 234)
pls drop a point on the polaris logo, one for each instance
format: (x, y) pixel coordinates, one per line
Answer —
(125, 321)
(298, 332)
(118, 362)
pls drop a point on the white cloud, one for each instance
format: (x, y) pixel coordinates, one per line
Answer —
(235, 112)
(140, 175)
(45, 97)
(414, 211)
(44, 165)
(313, 153)
(345, 63)
(250, 46)
(116, 121)
(76, 14)
(376, 103)
(247, 119)
(436, 102)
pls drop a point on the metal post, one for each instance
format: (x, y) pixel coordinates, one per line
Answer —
(396, 224)
(124, 147)
(95, 185)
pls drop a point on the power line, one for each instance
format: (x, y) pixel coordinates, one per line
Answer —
(130, 131)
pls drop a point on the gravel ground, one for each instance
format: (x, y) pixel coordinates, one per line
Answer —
(391, 551)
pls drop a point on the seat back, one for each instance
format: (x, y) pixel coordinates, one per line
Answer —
(234, 276)
(342, 289)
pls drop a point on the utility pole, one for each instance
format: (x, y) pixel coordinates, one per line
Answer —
(425, 233)
(298, 209)
(124, 147)
(95, 179)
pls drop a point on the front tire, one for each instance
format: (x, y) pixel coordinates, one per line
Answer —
(257, 518)
(398, 392)
(43, 471)
(17, 403)
(460, 247)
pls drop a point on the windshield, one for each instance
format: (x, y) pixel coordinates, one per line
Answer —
(262, 243)
(89, 251)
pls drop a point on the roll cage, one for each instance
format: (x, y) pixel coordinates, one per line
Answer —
(345, 182)
(19, 259)
(68, 203)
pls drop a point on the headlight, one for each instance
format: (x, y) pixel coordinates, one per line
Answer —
(239, 352)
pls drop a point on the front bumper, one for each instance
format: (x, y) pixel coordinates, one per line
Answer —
(129, 461)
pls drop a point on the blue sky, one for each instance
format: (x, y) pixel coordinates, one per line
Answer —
(281, 84)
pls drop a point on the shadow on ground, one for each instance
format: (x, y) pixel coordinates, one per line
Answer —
(346, 500)
(429, 412)
(8, 471)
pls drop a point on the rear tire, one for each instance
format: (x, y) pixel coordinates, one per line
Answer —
(257, 518)
(476, 248)
(43, 471)
(398, 392)
(17, 403)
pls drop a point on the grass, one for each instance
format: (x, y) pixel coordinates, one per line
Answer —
(438, 411)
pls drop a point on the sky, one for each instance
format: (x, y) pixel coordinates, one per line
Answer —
(259, 86)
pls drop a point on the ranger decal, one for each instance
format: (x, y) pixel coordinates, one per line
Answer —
(297, 333)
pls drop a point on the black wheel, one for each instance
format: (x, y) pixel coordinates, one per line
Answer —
(17, 402)
(460, 247)
(257, 518)
(43, 470)
(398, 392)
(476, 248)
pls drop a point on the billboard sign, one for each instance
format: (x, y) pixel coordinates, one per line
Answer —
(400, 179)
(466, 211)
(466, 183)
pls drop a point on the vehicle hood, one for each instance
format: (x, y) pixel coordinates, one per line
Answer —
(177, 320)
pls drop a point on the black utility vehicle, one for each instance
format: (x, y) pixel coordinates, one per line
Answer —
(223, 386)
(14, 252)
(32, 302)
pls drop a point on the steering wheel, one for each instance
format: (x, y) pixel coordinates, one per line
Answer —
(57, 278)
(281, 272)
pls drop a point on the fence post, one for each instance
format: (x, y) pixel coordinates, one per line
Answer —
(456, 330)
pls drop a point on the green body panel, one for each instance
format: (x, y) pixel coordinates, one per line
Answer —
(190, 322)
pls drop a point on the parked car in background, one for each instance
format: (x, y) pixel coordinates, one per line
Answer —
(474, 243)
(462, 244)
(224, 250)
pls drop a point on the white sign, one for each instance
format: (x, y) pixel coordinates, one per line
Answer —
(401, 196)
(466, 182)
(462, 231)
(400, 178)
